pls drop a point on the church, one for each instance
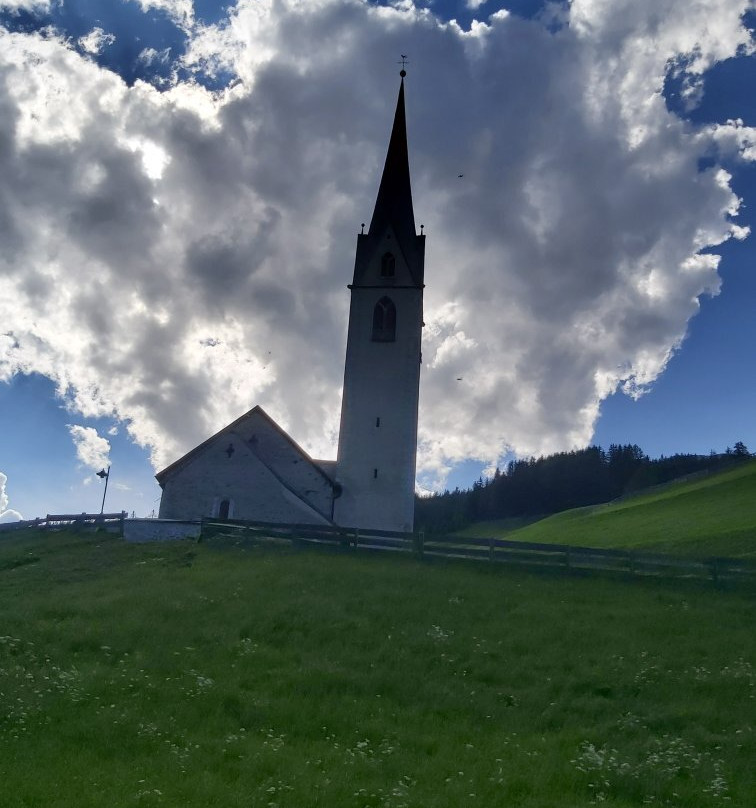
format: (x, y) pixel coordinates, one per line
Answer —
(251, 469)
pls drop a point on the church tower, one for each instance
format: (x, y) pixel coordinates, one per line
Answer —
(378, 433)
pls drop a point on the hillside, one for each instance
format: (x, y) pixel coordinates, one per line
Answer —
(531, 488)
(706, 516)
(184, 674)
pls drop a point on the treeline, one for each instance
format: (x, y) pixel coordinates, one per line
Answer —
(546, 485)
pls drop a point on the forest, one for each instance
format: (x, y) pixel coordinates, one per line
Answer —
(545, 485)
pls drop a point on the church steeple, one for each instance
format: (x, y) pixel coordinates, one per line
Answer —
(378, 433)
(392, 227)
(393, 205)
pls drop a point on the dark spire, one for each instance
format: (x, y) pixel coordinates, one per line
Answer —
(394, 203)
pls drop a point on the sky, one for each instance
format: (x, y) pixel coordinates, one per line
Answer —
(182, 182)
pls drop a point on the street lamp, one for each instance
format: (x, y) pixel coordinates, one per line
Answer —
(104, 475)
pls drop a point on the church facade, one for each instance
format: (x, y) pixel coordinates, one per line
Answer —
(251, 469)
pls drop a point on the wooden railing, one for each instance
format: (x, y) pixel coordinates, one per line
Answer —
(546, 556)
(70, 520)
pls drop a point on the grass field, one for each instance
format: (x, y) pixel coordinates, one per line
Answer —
(184, 674)
(708, 516)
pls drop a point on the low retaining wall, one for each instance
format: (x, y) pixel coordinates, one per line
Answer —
(159, 529)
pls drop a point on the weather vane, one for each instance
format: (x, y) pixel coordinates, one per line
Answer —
(404, 61)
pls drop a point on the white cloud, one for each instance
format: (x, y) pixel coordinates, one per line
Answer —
(6, 514)
(180, 11)
(171, 259)
(91, 450)
(14, 6)
(150, 56)
(95, 41)
(3, 495)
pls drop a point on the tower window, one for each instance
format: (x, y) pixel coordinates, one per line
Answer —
(378, 421)
(384, 321)
(375, 474)
(388, 265)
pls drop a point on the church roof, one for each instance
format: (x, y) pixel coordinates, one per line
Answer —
(256, 411)
(393, 205)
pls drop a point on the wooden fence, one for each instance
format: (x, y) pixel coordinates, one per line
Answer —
(546, 556)
(75, 521)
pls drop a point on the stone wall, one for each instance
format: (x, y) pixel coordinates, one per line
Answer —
(137, 530)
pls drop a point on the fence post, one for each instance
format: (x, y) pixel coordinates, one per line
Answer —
(714, 571)
(356, 537)
(419, 540)
(567, 559)
(491, 547)
(631, 563)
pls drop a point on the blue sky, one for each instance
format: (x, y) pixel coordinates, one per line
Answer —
(181, 181)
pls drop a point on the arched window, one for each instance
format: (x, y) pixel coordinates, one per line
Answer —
(384, 321)
(388, 265)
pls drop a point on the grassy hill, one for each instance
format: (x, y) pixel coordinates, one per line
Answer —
(189, 675)
(707, 516)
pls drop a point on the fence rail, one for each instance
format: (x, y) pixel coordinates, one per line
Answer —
(501, 551)
(55, 521)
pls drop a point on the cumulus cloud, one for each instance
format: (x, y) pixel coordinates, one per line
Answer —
(171, 259)
(15, 6)
(95, 41)
(151, 56)
(6, 514)
(180, 11)
(91, 450)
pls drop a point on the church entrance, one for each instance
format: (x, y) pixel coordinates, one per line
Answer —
(224, 509)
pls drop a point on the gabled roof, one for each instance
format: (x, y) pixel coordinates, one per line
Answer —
(161, 476)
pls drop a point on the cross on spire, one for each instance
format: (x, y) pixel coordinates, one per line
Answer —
(403, 63)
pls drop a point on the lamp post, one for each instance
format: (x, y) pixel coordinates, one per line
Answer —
(104, 475)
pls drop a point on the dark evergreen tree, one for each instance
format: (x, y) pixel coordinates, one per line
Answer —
(538, 487)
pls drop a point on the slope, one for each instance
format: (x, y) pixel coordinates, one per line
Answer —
(712, 515)
(213, 675)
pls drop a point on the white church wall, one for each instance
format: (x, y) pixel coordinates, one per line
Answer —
(287, 461)
(378, 438)
(213, 474)
(327, 467)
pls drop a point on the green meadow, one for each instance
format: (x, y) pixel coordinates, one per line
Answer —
(184, 674)
(706, 516)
